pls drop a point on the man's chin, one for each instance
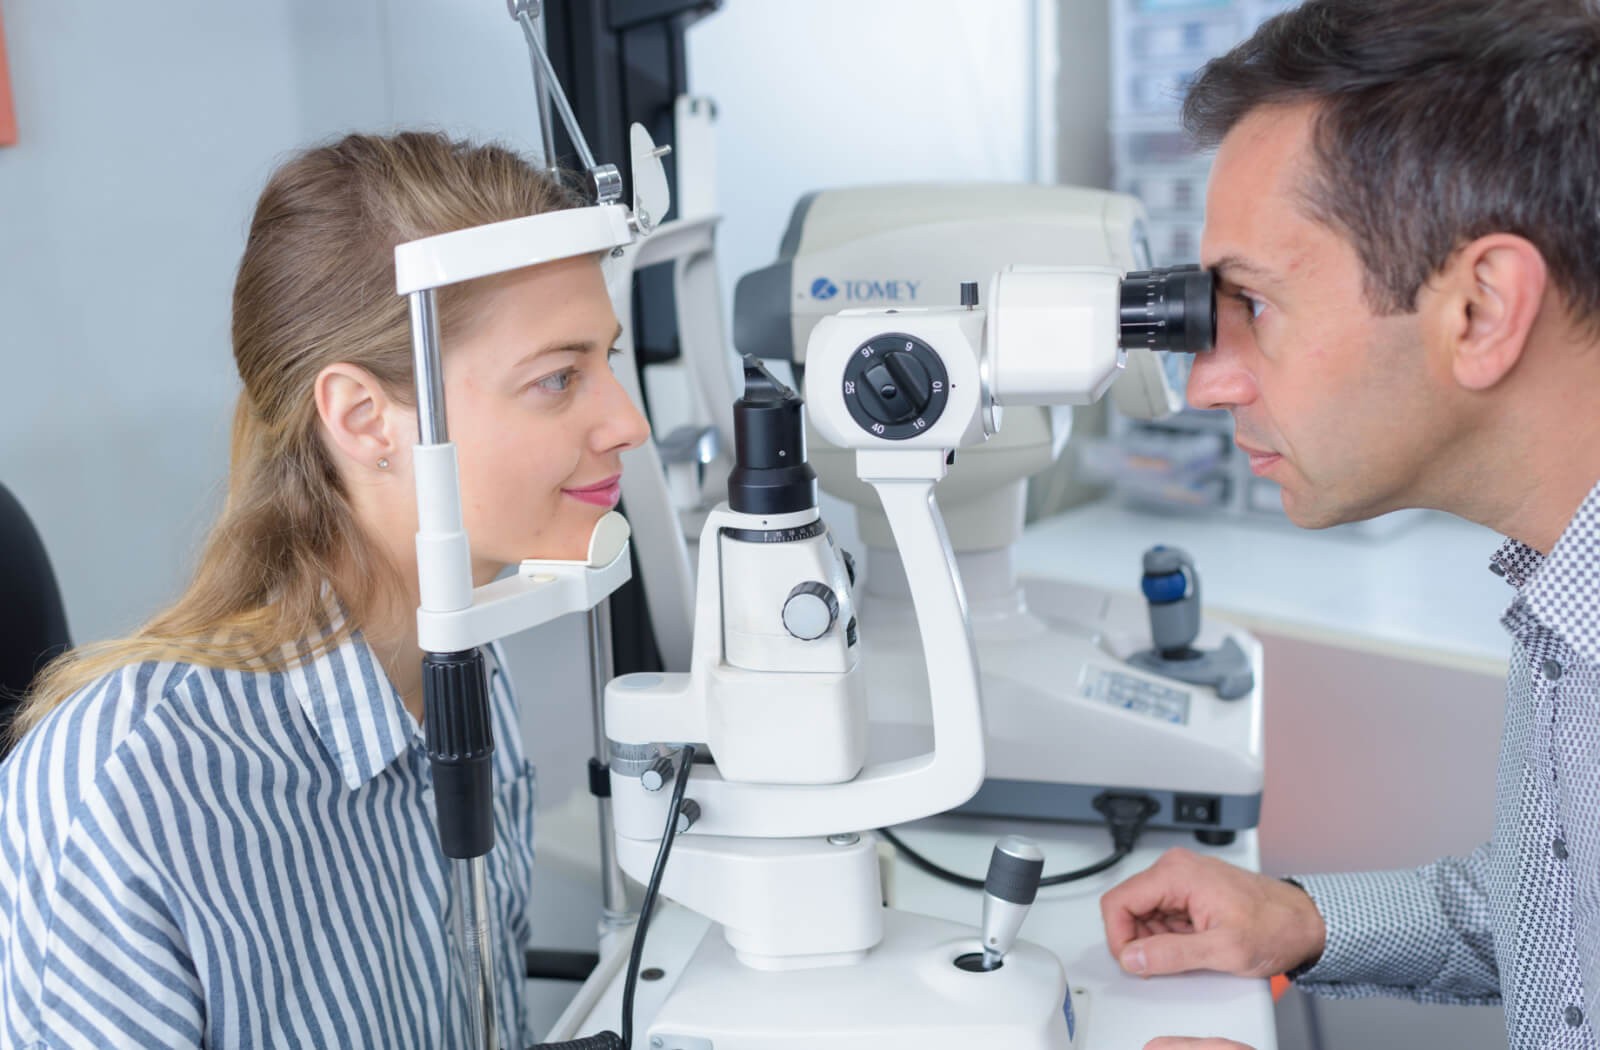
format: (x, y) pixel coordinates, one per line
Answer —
(1316, 515)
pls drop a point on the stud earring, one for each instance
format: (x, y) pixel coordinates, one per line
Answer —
(383, 464)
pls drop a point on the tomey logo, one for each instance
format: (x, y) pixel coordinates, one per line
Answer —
(866, 291)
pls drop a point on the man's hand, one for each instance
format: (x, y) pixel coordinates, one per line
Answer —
(1188, 912)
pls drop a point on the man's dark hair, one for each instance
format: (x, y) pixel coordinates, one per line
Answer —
(1438, 122)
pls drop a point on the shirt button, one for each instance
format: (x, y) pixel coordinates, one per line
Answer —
(1552, 670)
(1574, 1016)
(1559, 848)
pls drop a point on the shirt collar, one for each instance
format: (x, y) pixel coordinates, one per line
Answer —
(353, 709)
(1561, 590)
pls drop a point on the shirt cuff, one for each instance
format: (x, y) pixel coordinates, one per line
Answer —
(1384, 928)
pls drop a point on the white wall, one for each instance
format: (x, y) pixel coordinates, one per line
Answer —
(837, 92)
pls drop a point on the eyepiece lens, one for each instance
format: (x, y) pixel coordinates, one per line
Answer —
(1173, 309)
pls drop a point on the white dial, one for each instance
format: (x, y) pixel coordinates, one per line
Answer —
(810, 610)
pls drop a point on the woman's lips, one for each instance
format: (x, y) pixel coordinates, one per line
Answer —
(601, 494)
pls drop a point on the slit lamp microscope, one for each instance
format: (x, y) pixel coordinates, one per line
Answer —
(774, 835)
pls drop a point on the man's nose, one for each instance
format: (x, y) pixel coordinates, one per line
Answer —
(1219, 378)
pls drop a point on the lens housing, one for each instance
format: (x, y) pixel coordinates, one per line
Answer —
(1173, 309)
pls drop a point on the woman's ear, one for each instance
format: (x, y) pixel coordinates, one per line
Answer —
(1484, 304)
(358, 418)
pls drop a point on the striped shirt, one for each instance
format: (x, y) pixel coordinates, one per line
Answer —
(1516, 921)
(197, 857)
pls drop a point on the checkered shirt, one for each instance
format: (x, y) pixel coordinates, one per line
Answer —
(1517, 921)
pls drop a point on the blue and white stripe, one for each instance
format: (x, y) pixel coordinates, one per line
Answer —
(197, 857)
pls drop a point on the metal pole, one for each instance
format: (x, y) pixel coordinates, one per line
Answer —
(471, 873)
(550, 87)
(614, 896)
(477, 947)
(426, 369)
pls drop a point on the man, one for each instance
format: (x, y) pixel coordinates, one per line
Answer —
(1404, 220)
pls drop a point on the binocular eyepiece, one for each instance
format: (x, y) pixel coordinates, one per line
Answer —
(1173, 309)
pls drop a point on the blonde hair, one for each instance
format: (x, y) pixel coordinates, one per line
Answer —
(316, 286)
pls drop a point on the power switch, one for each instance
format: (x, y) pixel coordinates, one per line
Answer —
(1196, 809)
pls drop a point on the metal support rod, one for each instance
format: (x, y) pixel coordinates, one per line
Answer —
(426, 368)
(547, 131)
(477, 948)
(544, 76)
(613, 892)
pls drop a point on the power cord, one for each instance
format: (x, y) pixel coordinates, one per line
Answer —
(611, 1040)
(1125, 815)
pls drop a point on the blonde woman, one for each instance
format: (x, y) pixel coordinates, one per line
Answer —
(220, 831)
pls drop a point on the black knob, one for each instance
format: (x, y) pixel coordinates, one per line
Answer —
(810, 610)
(895, 386)
(658, 775)
(969, 293)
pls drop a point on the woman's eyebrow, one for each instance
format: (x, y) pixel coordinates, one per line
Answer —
(584, 347)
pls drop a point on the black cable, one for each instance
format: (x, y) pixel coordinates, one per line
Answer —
(610, 1040)
(1125, 818)
(649, 903)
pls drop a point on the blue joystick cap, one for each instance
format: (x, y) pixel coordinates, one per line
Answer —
(1165, 588)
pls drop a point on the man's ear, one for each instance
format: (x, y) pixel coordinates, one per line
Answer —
(358, 417)
(1484, 304)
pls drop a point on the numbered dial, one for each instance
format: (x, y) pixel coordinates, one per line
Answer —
(895, 386)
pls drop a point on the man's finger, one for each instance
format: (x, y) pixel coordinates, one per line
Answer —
(1178, 953)
(1182, 1042)
(1152, 891)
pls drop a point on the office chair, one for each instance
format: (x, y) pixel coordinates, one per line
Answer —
(33, 623)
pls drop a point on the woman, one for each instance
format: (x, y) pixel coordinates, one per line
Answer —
(220, 831)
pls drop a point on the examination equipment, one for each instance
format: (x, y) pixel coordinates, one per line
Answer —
(1068, 717)
(778, 849)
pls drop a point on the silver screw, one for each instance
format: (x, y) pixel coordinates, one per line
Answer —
(656, 1042)
(849, 838)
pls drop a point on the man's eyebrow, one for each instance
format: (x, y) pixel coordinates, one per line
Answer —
(575, 348)
(1232, 267)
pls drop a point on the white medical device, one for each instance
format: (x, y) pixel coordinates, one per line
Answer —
(775, 838)
(1066, 715)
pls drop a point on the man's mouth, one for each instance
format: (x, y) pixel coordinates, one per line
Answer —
(1260, 462)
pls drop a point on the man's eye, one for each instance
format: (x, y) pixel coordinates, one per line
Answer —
(1252, 305)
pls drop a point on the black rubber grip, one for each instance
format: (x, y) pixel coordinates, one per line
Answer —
(1013, 878)
(599, 779)
(603, 1041)
(455, 691)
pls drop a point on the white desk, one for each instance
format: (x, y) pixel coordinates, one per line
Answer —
(1426, 590)
(1115, 1011)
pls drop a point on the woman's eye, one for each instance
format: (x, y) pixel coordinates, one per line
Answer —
(557, 382)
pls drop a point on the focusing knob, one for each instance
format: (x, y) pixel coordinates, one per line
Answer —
(895, 386)
(810, 610)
